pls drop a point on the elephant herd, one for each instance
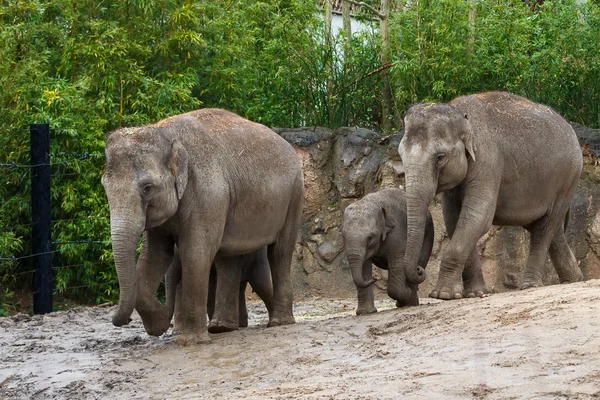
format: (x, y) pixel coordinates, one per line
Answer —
(218, 201)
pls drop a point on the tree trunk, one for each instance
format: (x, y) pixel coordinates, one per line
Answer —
(398, 115)
(329, 66)
(471, 41)
(388, 98)
(347, 27)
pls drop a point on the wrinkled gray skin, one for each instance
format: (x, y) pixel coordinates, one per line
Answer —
(375, 233)
(497, 159)
(229, 276)
(215, 184)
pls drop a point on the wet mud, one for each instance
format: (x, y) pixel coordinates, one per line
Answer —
(535, 344)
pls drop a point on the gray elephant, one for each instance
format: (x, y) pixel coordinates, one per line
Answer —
(374, 231)
(215, 184)
(229, 276)
(497, 158)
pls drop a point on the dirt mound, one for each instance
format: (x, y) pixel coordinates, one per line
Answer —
(542, 343)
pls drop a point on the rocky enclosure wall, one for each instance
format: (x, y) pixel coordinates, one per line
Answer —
(342, 165)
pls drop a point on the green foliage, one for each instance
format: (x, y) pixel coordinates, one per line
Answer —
(549, 55)
(89, 67)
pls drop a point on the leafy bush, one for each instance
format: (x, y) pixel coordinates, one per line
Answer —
(548, 55)
(87, 68)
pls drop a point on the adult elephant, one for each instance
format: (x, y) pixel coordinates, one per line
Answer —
(497, 158)
(229, 276)
(216, 185)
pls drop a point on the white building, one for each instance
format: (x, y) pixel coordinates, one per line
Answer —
(337, 22)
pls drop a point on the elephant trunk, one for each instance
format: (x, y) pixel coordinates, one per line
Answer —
(150, 272)
(125, 233)
(398, 289)
(419, 193)
(356, 260)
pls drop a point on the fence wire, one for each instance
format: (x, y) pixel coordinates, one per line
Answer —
(65, 165)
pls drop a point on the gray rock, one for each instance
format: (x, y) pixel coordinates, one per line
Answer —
(328, 251)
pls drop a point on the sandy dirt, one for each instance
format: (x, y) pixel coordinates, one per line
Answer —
(537, 344)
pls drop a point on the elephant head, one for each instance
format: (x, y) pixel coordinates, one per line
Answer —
(365, 228)
(435, 150)
(145, 177)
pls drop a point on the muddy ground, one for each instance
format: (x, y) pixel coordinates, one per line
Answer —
(537, 344)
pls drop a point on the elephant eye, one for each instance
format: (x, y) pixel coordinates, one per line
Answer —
(147, 189)
(440, 158)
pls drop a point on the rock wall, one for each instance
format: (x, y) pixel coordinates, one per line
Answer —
(342, 165)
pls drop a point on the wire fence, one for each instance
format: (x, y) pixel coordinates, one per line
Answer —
(37, 259)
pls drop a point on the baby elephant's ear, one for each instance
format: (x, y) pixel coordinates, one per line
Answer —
(178, 164)
(387, 225)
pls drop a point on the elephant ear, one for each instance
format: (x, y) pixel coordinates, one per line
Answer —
(467, 138)
(178, 164)
(387, 225)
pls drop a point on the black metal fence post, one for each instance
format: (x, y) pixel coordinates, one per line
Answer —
(40, 215)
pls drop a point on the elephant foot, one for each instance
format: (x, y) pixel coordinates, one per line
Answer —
(191, 339)
(177, 324)
(449, 285)
(281, 320)
(177, 328)
(412, 302)
(529, 284)
(445, 290)
(157, 329)
(574, 276)
(216, 326)
(243, 321)
(475, 289)
(366, 310)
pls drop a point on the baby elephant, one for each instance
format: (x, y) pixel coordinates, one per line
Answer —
(375, 232)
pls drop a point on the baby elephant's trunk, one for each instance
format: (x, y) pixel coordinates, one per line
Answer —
(361, 271)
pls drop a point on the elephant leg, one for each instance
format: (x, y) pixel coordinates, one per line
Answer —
(178, 315)
(155, 259)
(212, 292)
(173, 291)
(475, 219)
(197, 250)
(563, 259)
(366, 296)
(243, 309)
(472, 275)
(542, 233)
(280, 259)
(260, 279)
(414, 297)
(226, 313)
(473, 282)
